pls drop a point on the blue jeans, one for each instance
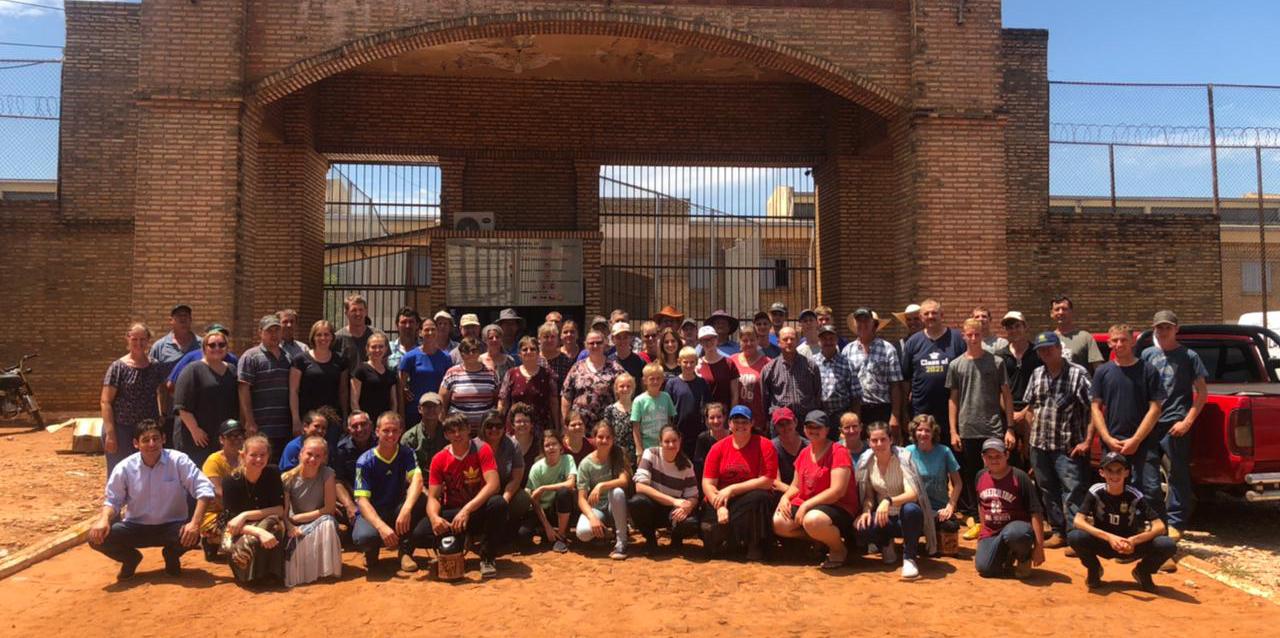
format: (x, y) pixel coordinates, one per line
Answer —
(1089, 547)
(1178, 449)
(1061, 479)
(1146, 469)
(615, 505)
(126, 537)
(996, 554)
(908, 524)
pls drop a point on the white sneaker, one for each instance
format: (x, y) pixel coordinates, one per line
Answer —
(889, 554)
(909, 570)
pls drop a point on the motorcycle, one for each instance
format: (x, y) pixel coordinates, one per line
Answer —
(16, 395)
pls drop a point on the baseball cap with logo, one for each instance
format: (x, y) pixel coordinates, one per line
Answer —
(782, 414)
(1114, 457)
(778, 306)
(1046, 339)
(994, 444)
(706, 331)
(620, 328)
(430, 397)
(269, 321)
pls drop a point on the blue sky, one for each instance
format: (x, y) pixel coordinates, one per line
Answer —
(1222, 41)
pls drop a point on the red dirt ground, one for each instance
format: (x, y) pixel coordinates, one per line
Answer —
(565, 595)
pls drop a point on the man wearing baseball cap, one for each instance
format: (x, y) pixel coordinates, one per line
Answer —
(1184, 377)
(840, 390)
(623, 341)
(1012, 536)
(469, 326)
(263, 372)
(777, 319)
(1057, 402)
(427, 437)
(169, 350)
(1116, 520)
(444, 331)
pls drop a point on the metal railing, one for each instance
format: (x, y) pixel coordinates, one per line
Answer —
(707, 237)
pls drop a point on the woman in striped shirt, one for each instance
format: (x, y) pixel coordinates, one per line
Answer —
(666, 492)
(470, 388)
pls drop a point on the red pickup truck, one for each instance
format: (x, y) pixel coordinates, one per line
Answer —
(1236, 444)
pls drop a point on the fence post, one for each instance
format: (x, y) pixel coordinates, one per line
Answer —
(1262, 235)
(1213, 152)
(1111, 164)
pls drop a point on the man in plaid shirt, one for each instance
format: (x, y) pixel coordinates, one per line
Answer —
(841, 391)
(875, 364)
(1061, 431)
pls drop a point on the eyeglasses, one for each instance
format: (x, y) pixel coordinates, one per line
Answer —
(216, 345)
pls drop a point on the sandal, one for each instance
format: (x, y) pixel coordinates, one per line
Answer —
(830, 564)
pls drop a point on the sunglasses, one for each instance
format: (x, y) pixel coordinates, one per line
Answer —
(216, 345)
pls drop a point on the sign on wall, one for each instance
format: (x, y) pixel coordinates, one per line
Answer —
(514, 272)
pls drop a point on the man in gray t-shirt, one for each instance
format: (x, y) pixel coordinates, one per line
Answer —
(1078, 345)
(979, 406)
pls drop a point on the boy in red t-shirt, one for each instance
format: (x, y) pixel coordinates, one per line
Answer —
(462, 492)
(1012, 534)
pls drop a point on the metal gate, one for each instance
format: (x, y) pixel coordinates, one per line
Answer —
(703, 238)
(375, 239)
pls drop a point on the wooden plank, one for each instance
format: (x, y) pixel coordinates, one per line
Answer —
(47, 548)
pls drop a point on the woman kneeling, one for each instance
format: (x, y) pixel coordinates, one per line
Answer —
(821, 502)
(737, 483)
(311, 497)
(254, 499)
(894, 503)
(602, 480)
(666, 492)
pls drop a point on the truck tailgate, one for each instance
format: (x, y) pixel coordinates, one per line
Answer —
(1246, 389)
(1264, 403)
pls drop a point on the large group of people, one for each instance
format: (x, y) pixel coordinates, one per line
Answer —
(743, 435)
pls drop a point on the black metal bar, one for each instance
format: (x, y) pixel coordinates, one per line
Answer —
(1213, 148)
(1262, 236)
(1111, 163)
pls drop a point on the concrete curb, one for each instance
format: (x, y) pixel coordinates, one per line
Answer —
(1206, 568)
(47, 548)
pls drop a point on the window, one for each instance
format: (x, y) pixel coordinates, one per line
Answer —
(775, 273)
(1251, 278)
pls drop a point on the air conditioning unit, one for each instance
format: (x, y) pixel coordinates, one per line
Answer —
(473, 221)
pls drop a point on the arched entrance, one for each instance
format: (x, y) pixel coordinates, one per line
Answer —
(521, 111)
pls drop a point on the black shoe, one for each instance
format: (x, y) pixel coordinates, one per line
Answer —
(210, 551)
(128, 569)
(754, 553)
(677, 541)
(371, 560)
(650, 544)
(173, 564)
(1094, 579)
(715, 538)
(1144, 580)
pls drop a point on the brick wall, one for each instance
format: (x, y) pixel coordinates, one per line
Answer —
(524, 120)
(70, 279)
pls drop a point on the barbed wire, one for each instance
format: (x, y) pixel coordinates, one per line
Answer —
(42, 107)
(1164, 135)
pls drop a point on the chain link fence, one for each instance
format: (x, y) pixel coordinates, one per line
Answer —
(1197, 149)
(29, 112)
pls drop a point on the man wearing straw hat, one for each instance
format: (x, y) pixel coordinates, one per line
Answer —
(879, 371)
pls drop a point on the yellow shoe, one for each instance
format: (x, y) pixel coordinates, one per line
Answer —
(972, 532)
(1174, 533)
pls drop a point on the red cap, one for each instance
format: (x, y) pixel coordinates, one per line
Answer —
(783, 414)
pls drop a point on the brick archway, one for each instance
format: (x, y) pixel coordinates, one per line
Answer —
(766, 53)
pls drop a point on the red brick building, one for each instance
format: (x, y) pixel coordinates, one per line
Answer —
(196, 138)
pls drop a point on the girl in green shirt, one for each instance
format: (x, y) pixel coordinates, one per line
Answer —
(551, 486)
(602, 480)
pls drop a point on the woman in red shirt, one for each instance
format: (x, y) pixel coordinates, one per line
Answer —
(822, 501)
(737, 483)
